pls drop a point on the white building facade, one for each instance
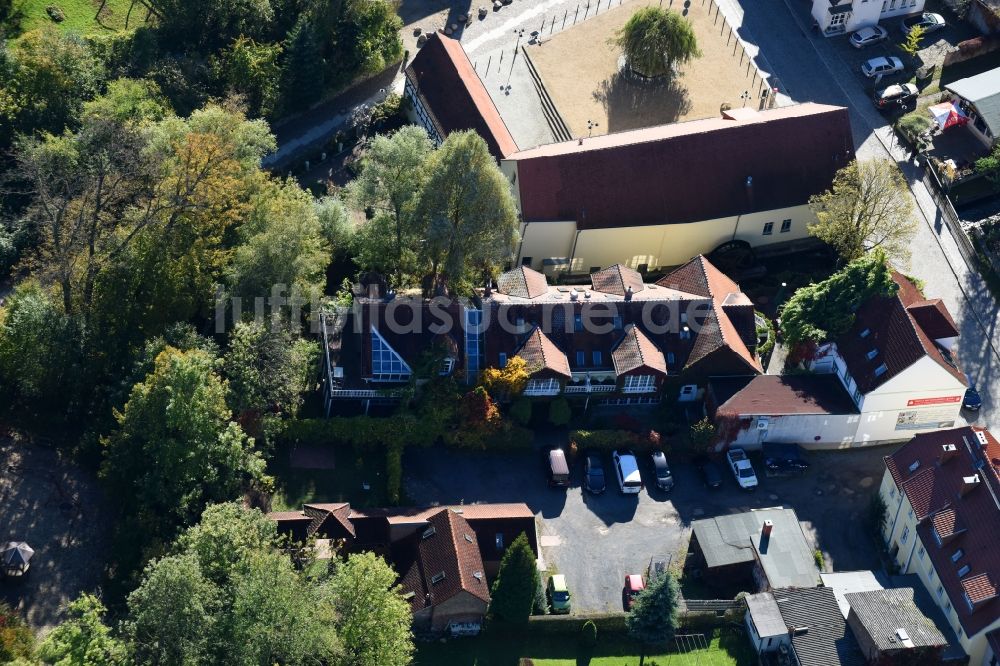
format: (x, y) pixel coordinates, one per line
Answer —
(845, 16)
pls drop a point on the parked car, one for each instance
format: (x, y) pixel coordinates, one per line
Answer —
(627, 471)
(873, 34)
(930, 22)
(971, 401)
(895, 96)
(593, 474)
(876, 66)
(558, 468)
(784, 458)
(558, 594)
(742, 469)
(634, 585)
(664, 478)
(711, 474)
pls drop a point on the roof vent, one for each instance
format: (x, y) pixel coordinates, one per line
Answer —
(573, 295)
(969, 483)
(429, 532)
(468, 537)
(981, 436)
(800, 631)
(478, 575)
(437, 578)
(948, 451)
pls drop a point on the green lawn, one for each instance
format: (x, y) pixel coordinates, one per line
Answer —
(80, 15)
(731, 649)
(295, 487)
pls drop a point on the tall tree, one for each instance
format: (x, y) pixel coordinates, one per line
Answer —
(656, 40)
(251, 70)
(373, 619)
(513, 593)
(83, 639)
(393, 169)
(824, 310)
(305, 68)
(653, 617)
(467, 206)
(868, 207)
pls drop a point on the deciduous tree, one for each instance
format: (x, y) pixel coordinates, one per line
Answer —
(509, 381)
(513, 592)
(656, 40)
(868, 207)
(83, 639)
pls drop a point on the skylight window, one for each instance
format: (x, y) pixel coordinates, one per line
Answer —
(881, 370)
(872, 354)
(964, 571)
(957, 555)
(914, 466)
(437, 578)
(865, 333)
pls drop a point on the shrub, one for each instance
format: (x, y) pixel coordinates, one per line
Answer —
(16, 640)
(819, 559)
(912, 126)
(394, 472)
(559, 412)
(55, 13)
(521, 410)
(609, 440)
(589, 635)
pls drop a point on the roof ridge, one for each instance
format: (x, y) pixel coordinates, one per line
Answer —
(452, 519)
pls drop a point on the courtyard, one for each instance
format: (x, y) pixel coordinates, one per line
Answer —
(596, 540)
(579, 67)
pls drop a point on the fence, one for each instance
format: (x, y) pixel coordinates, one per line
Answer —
(758, 80)
(943, 204)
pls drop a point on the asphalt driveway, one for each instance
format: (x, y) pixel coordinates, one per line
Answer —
(596, 541)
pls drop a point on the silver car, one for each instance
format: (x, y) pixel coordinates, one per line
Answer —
(930, 23)
(883, 66)
(873, 34)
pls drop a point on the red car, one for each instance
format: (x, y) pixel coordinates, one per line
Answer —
(634, 584)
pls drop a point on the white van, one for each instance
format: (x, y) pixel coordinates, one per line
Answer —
(627, 471)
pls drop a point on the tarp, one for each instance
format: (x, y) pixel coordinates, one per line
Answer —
(947, 114)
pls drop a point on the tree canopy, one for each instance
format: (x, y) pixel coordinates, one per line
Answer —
(656, 40)
(653, 617)
(824, 310)
(867, 208)
(83, 639)
(513, 593)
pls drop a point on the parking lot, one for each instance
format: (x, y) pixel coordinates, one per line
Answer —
(596, 540)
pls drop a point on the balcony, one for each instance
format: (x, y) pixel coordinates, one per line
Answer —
(541, 391)
(590, 388)
(357, 393)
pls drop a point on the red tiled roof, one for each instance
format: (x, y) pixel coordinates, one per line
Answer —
(636, 351)
(617, 280)
(689, 171)
(717, 332)
(288, 516)
(699, 276)
(539, 352)
(778, 395)
(947, 523)
(933, 317)
(897, 336)
(447, 562)
(444, 77)
(467, 511)
(522, 282)
(933, 489)
(331, 518)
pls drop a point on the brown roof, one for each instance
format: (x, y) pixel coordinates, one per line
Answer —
(947, 523)
(444, 77)
(934, 488)
(718, 333)
(689, 171)
(699, 276)
(637, 351)
(540, 353)
(617, 280)
(447, 562)
(933, 317)
(523, 282)
(896, 334)
(330, 519)
(778, 395)
(467, 511)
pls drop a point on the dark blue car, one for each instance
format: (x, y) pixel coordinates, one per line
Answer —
(972, 401)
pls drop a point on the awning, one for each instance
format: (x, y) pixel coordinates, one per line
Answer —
(948, 114)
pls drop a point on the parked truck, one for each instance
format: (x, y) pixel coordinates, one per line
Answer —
(742, 469)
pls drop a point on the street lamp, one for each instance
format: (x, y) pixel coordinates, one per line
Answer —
(520, 33)
(590, 128)
(745, 95)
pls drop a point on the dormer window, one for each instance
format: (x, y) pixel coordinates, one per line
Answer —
(447, 365)
(914, 466)
(881, 370)
(617, 322)
(964, 571)
(865, 333)
(872, 354)
(957, 555)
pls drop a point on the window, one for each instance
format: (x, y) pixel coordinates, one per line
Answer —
(906, 535)
(957, 555)
(639, 384)
(447, 366)
(857, 396)
(580, 359)
(786, 226)
(963, 572)
(838, 20)
(884, 5)
(865, 333)
(618, 322)
(685, 333)
(940, 591)
(881, 370)
(921, 552)
(892, 493)
(578, 323)
(911, 514)
(542, 387)
(499, 540)
(670, 358)
(769, 226)
(387, 365)
(595, 357)
(968, 602)
(503, 360)
(437, 578)
(892, 5)
(914, 466)
(872, 354)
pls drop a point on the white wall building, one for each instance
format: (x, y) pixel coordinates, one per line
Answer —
(838, 17)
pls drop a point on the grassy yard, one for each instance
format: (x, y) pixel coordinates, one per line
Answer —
(81, 15)
(729, 649)
(343, 483)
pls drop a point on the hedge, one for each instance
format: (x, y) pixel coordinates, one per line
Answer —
(615, 623)
(362, 432)
(608, 440)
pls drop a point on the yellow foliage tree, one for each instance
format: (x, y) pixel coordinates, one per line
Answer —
(506, 382)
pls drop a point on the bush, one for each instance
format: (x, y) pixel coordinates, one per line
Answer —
(589, 635)
(16, 640)
(55, 13)
(912, 125)
(819, 559)
(510, 437)
(394, 472)
(559, 412)
(609, 440)
(521, 411)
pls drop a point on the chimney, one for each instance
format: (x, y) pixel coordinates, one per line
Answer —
(628, 293)
(948, 451)
(766, 528)
(968, 484)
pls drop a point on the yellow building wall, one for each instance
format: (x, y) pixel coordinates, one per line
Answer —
(656, 245)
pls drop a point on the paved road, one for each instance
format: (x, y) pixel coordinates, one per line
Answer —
(596, 541)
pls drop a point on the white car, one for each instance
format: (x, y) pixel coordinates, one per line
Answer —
(930, 22)
(873, 34)
(877, 66)
(627, 472)
(741, 468)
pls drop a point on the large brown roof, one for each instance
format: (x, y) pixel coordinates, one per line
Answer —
(444, 77)
(778, 395)
(523, 282)
(687, 172)
(897, 335)
(618, 280)
(700, 277)
(540, 353)
(635, 351)
(934, 488)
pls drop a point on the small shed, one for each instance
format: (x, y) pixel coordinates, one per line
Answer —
(979, 98)
(15, 557)
(765, 627)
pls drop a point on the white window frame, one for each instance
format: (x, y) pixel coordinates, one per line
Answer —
(542, 387)
(639, 384)
(404, 369)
